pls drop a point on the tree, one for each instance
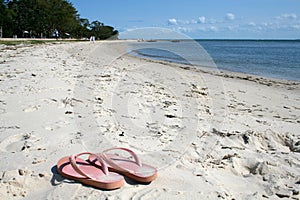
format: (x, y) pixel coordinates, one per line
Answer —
(83, 29)
(6, 19)
(2, 12)
(96, 28)
(39, 18)
(107, 32)
(63, 16)
(102, 32)
(24, 18)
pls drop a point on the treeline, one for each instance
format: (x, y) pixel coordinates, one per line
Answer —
(41, 19)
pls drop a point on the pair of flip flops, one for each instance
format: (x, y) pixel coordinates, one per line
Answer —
(103, 170)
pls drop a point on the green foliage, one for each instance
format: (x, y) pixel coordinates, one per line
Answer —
(29, 42)
(39, 18)
(102, 32)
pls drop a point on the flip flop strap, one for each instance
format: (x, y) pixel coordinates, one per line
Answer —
(73, 163)
(135, 157)
(113, 164)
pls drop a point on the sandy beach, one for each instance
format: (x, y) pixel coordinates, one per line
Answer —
(210, 134)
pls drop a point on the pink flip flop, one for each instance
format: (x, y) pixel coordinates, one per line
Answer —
(133, 169)
(82, 171)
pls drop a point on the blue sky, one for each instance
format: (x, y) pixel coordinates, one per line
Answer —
(215, 19)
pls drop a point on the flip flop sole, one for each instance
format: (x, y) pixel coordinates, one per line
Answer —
(101, 181)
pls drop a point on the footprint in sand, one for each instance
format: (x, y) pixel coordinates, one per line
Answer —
(20, 142)
(168, 193)
(2, 110)
(31, 109)
(56, 125)
(17, 184)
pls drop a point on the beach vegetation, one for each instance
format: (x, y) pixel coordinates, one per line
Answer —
(48, 18)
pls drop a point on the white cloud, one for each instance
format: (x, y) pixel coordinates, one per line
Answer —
(251, 24)
(230, 16)
(296, 26)
(201, 20)
(172, 21)
(184, 22)
(287, 16)
(184, 29)
(232, 25)
(230, 28)
(193, 21)
(213, 28)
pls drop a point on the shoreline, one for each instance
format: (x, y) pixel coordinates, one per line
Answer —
(210, 134)
(225, 73)
(213, 46)
(217, 72)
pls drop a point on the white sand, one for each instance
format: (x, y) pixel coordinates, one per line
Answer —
(211, 135)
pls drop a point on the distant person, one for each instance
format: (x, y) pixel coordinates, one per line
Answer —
(56, 34)
(92, 39)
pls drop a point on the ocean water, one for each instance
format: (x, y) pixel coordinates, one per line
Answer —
(268, 58)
